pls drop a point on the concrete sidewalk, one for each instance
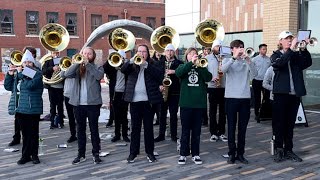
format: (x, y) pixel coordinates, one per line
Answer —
(56, 163)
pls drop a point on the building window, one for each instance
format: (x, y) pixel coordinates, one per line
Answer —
(151, 21)
(96, 21)
(71, 52)
(32, 22)
(163, 21)
(71, 23)
(6, 19)
(52, 17)
(136, 18)
(112, 18)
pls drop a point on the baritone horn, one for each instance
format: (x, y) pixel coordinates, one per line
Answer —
(54, 37)
(207, 31)
(16, 57)
(115, 59)
(249, 52)
(162, 36)
(122, 39)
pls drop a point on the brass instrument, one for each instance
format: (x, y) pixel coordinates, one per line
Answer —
(201, 62)
(54, 37)
(115, 59)
(122, 39)
(162, 36)
(78, 58)
(137, 59)
(249, 52)
(166, 82)
(220, 73)
(209, 30)
(313, 41)
(65, 63)
(16, 57)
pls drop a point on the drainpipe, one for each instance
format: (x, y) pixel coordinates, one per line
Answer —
(84, 8)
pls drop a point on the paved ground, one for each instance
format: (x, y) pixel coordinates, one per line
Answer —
(56, 163)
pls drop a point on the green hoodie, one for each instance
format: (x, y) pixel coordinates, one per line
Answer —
(193, 92)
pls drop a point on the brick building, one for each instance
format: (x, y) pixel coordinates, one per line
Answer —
(21, 21)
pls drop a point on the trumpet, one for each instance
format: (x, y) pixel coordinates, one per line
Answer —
(115, 59)
(249, 52)
(313, 41)
(65, 63)
(137, 59)
(201, 62)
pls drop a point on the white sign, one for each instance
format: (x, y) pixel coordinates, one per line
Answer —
(301, 116)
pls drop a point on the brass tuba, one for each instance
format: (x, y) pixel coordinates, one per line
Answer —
(54, 37)
(122, 39)
(16, 57)
(163, 36)
(115, 59)
(209, 30)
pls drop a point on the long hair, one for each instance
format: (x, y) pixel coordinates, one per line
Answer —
(82, 69)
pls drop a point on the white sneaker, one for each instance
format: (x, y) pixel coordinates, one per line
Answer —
(197, 160)
(182, 160)
(223, 138)
(214, 138)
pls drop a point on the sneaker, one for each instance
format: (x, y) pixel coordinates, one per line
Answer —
(182, 160)
(131, 158)
(214, 138)
(35, 159)
(23, 161)
(78, 160)
(72, 139)
(151, 158)
(197, 160)
(14, 142)
(126, 139)
(279, 155)
(223, 138)
(96, 159)
(291, 155)
(115, 139)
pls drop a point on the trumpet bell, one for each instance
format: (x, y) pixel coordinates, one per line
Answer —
(249, 52)
(202, 62)
(65, 63)
(137, 60)
(54, 37)
(122, 39)
(16, 57)
(209, 30)
(313, 41)
(115, 59)
(78, 58)
(162, 36)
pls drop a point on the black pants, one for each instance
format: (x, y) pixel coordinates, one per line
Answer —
(257, 90)
(16, 136)
(237, 108)
(141, 112)
(92, 112)
(191, 122)
(173, 105)
(120, 114)
(111, 115)
(29, 124)
(71, 116)
(284, 112)
(56, 103)
(156, 109)
(216, 98)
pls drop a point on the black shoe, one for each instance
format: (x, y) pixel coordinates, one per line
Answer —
(126, 139)
(53, 126)
(156, 123)
(35, 159)
(72, 139)
(159, 138)
(279, 155)
(131, 158)
(78, 160)
(61, 126)
(96, 159)
(115, 139)
(174, 139)
(242, 159)
(23, 161)
(14, 142)
(151, 158)
(291, 155)
(109, 124)
(231, 159)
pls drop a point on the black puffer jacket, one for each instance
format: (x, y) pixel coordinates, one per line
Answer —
(153, 76)
(299, 61)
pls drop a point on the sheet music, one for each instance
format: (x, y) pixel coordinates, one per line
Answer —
(225, 50)
(303, 34)
(29, 72)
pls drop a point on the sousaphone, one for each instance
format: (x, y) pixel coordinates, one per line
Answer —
(163, 36)
(209, 30)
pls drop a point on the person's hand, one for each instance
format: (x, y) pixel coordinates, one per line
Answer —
(194, 59)
(215, 79)
(170, 71)
(56, 68)
(294, 43)
(161, 88)
(19, 69)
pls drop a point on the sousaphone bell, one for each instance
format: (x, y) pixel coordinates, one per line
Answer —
(209, 30)
(162, 36)
(122, 39)
(54, 37)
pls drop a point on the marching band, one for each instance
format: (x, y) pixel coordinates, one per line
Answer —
(145, 85)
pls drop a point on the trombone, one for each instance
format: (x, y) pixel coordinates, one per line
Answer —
(16, 57)
(78, 58)
(115, 59)
(65, 63)
(162, 36)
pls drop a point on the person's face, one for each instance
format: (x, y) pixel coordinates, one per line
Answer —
(206, 51)
(27, 63)
(169, 54)
(286, 42)
(216, 49)
(191, 54)
(263, 50)
(55, 54)
(143, 52)
(238, 50)
(88, 54)
(158, 55)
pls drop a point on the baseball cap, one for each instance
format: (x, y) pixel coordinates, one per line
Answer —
(284, 34)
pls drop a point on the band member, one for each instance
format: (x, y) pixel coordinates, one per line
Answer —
(237, 93)
(216, 88)
(86, 98)
(120, 107)
(268, 81)
(288, 88)
(193, 101)
(55, 91)
(67, 92)
(142, 90)
(156, 108)
(169, 63)
(262, 63)
(29, 106)
(206, 52)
